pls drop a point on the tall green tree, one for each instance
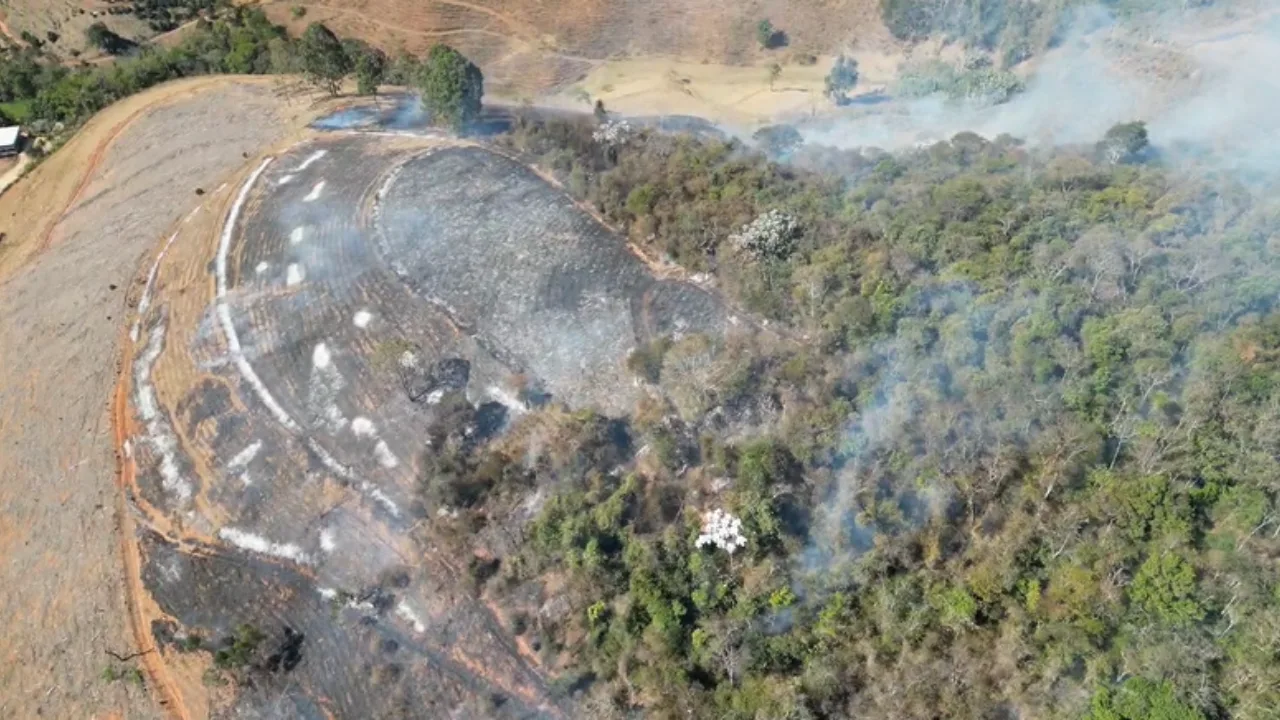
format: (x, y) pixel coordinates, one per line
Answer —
(842, 78)
(371, 66)
(1124, 142)
(106, 40)
(452, 87)
(324, 61)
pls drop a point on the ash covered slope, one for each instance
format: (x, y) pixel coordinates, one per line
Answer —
(279, 423)
(518, 261)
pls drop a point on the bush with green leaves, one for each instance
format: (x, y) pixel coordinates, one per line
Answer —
(764, 33)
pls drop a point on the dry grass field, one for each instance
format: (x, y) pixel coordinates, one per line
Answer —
(77, 229)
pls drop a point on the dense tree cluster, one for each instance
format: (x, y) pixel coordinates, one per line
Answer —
(451, 87)
(165, 15)
(1009, 448)
(239, 40)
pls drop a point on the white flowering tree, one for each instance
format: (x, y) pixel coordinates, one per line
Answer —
(771, 235)
(612, 133)
(722, 530)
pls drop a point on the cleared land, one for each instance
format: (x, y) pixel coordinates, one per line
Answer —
(66, 282)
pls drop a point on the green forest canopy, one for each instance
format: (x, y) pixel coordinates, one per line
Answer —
(1009, 450)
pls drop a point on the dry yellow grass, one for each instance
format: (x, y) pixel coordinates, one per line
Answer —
(78, 226)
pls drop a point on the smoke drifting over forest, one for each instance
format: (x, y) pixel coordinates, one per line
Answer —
(1203, 92)
(1007, 444)
(935, 411)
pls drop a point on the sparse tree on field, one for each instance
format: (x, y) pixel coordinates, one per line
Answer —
(602, 115)
(842, 78)
(764, 33)
(101, 37)
(371, 66)
(775, 72)
(324, 61)
(452, 87)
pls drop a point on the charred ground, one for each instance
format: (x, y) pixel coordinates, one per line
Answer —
(367, 291)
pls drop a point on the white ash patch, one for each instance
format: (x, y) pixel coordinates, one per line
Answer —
(237, 355)
(506, 398)
(315, 192)
(285, 180)
(325, 385)
(408, 615)
(386, 458)
(320, 357)
(295, 274)
(362, 319)
(246, 456)
(159, 435)
(223, 307)
(435, 396)
(262, 267)
(297, 235)
(409, 360)
(145, 301)
(311, 160)
(363, 427)
(328, 542)
(382, 499)
(327, 593)
(258, 544)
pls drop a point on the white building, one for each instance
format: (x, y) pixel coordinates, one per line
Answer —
(9, 141)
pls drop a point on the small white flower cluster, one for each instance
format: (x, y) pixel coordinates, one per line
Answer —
(770, 235)
(722, 530)
(612, 133)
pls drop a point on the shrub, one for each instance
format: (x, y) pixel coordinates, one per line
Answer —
(764, 33)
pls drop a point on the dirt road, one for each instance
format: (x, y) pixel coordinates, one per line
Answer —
(64, 291)
(11, 175)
